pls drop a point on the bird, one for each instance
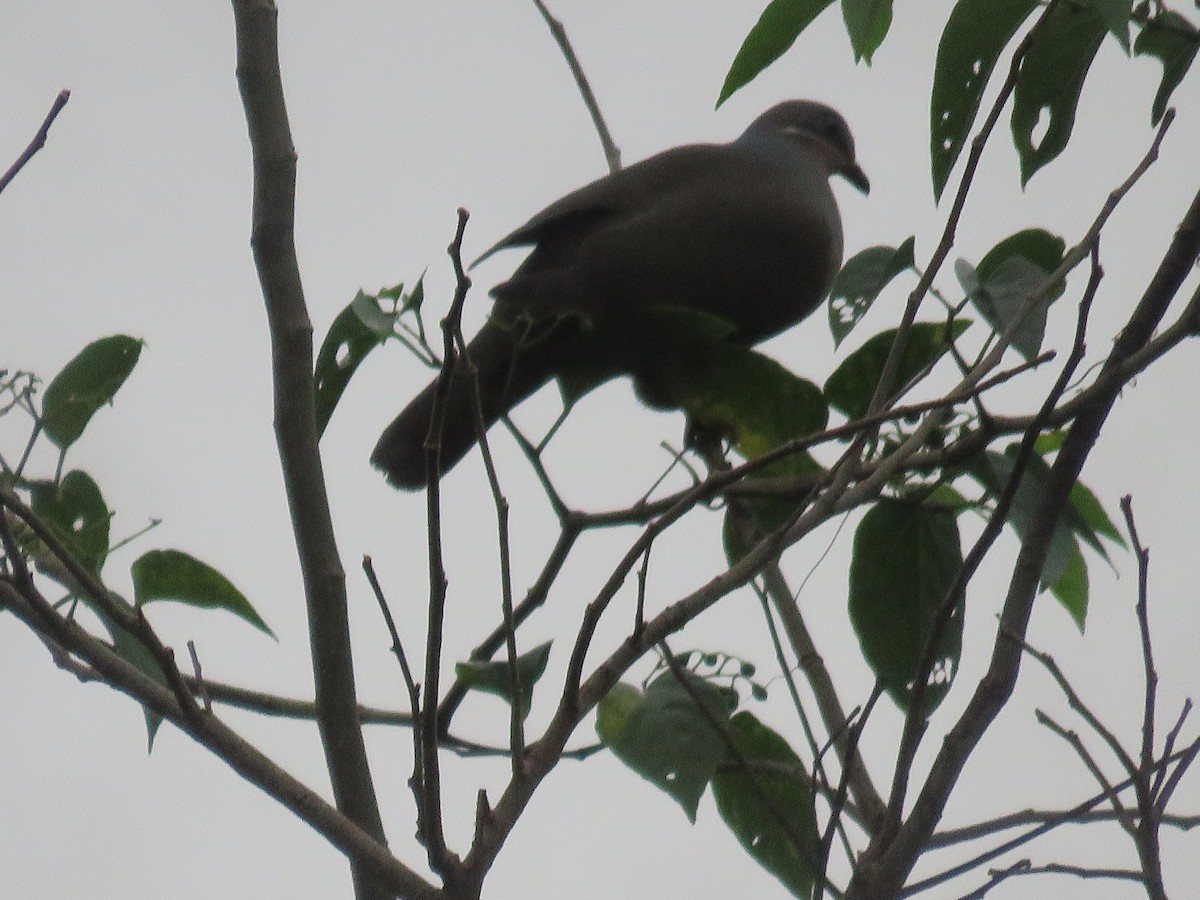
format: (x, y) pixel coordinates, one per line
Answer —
(747, 233)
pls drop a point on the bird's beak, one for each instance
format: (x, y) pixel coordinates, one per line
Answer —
(857, 177)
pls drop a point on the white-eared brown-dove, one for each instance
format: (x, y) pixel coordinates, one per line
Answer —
(746, 231)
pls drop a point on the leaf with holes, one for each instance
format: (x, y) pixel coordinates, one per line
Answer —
(664, 736)
(975, 33)
(1051, 80)
(359, 328)
(77, 514)
(905, 559)
(860, 282)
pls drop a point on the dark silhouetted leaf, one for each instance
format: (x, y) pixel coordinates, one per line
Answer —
(769, 806)
(1173, 41)
(85, 384)
(776, 31)
(858, 284)
(1051, 80)
(1115, 14)
(867, 23)
(1010, 272)
(905, 559)
(970, 45)
(1064, 572)
(850, 387)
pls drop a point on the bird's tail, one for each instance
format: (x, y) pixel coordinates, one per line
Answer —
(509, 369)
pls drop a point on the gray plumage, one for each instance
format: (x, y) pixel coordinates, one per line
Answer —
(748, 231)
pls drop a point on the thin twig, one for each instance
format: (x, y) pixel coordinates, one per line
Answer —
(414, 696)
(1075, 742)
(611, 153)
(39, 139)
(430, 828)
(257, 768)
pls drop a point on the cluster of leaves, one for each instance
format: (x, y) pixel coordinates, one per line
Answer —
(683, 732)
(1052, 72)
(72, 507)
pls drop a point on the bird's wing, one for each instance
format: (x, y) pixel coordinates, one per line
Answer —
(625, 192)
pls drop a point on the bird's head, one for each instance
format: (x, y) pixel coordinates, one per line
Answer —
(819, 129)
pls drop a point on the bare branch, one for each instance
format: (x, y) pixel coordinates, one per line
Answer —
(39, 139)
(273, 243)
(611, 153)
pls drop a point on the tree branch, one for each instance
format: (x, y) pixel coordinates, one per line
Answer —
(273, 243)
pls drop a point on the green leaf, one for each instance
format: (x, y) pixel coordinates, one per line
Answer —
(905, 559)
(76, 512)
(1051, 80)
(1065, 571)
(135, 653)
(867, 23)
(1071, 587)
(358, 329)
(1025, 503)
(776, 31)
(755, 399)
(1038, 246)
(681, 359)
(861, 280)
(970, 45)
(495, 676)
(768, 804)
(1050, 442)
(174, 575)
(1173, 41)
(664, 736)
(1115, 14)
(1008, 274)
(85, 384)
(1089, 521)
(850, 387)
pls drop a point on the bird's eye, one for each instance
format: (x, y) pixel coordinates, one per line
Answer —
(831, 127)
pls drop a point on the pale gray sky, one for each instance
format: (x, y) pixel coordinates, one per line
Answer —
(135, 219)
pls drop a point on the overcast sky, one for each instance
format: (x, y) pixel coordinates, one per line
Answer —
(135, 219)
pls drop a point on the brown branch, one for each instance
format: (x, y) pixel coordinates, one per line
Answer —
(1043, 822)
(886, 864)
(824, 691)
(39, 139)
(208, 730)
(273, 243)
(915, 721)
(426, 783)
(611, 153)
(891, 366)
(117, 613)
(1146, 835)
(534, 598)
